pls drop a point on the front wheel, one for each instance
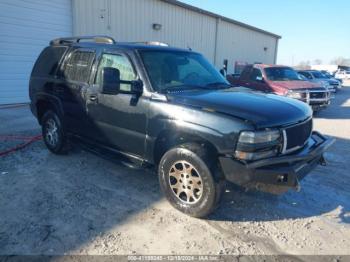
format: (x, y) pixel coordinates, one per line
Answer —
(186, 179)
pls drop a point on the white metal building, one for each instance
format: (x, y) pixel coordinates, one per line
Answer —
(26, 26)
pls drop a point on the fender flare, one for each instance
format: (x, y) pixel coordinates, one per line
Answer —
(52, 100)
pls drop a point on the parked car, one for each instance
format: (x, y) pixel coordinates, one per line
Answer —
(342, 74)
(284, 81)
(330, 76)
(170, 108)
(317, 77)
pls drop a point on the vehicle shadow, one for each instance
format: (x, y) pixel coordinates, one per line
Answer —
(324, 190)
(338, 109)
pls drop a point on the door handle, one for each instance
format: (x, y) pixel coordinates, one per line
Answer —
(93, 98)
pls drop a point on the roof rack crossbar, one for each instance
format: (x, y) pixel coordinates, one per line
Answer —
(77, 39)
(156, 43)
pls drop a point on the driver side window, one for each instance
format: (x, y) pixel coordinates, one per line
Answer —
(119, 62)
(307, 75)
(254, 74)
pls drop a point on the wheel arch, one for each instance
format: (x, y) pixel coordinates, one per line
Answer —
(168, 139)
(46, 102)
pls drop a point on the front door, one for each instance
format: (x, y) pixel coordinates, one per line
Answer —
(257, 81)
(118, 120)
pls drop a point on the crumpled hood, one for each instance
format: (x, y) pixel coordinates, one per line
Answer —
(263, 110)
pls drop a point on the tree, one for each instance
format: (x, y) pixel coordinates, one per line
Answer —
(341, 61)
(317, 62)
(303, 65)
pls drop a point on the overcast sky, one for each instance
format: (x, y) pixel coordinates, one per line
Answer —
(312, 29)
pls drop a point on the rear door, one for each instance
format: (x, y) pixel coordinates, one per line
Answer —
(72, 85)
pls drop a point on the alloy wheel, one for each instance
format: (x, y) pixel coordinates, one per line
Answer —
(51, 134)
(185, 182)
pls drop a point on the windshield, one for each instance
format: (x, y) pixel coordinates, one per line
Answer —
(327, 75)
(302, 77)
(176, 70)
(318, 75)
(281, 74)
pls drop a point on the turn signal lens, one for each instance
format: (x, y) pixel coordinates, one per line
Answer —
(255, 156)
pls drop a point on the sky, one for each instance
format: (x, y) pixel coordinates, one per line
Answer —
(310, 30)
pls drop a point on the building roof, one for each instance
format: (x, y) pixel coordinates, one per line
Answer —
(202, 11)
(263, 66)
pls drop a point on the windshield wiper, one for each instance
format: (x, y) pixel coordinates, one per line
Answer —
(181, 87)
(218, 85)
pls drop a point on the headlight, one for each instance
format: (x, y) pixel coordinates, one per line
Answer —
(295, 95)
(250, 137)
(257, 145)
(326, 85)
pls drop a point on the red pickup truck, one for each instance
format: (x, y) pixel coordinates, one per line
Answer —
(284, 81)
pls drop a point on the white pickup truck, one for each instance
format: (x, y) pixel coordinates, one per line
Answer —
(342, 74)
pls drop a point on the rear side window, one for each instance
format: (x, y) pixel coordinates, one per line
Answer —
(79, 65)
(48, 61)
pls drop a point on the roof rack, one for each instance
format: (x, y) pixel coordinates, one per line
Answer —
(148, 43)
(77, 39)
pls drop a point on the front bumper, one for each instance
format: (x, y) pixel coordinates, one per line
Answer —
(317, 106)
(333, 88)
(279, 174)
(317, 99)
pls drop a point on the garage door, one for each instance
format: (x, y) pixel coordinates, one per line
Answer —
(26, 27)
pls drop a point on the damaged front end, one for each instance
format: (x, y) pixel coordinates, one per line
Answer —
(280, 173)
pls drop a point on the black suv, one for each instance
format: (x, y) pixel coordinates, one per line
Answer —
(170, 108)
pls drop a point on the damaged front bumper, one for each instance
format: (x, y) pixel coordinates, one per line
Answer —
(278, 174)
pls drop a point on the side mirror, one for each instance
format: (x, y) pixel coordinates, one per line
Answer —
(110, 80)
(136, 87)
(111, 83)
(260, 79)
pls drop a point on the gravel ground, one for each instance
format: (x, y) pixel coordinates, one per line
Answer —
(83, 204)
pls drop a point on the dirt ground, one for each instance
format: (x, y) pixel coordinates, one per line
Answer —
(82, 204)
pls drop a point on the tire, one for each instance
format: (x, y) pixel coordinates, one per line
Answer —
(54, 134)
(186, 177)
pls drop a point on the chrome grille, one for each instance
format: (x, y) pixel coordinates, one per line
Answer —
(317, 95)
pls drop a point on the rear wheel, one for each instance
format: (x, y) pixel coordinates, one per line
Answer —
(186, 178)
(53, 133)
